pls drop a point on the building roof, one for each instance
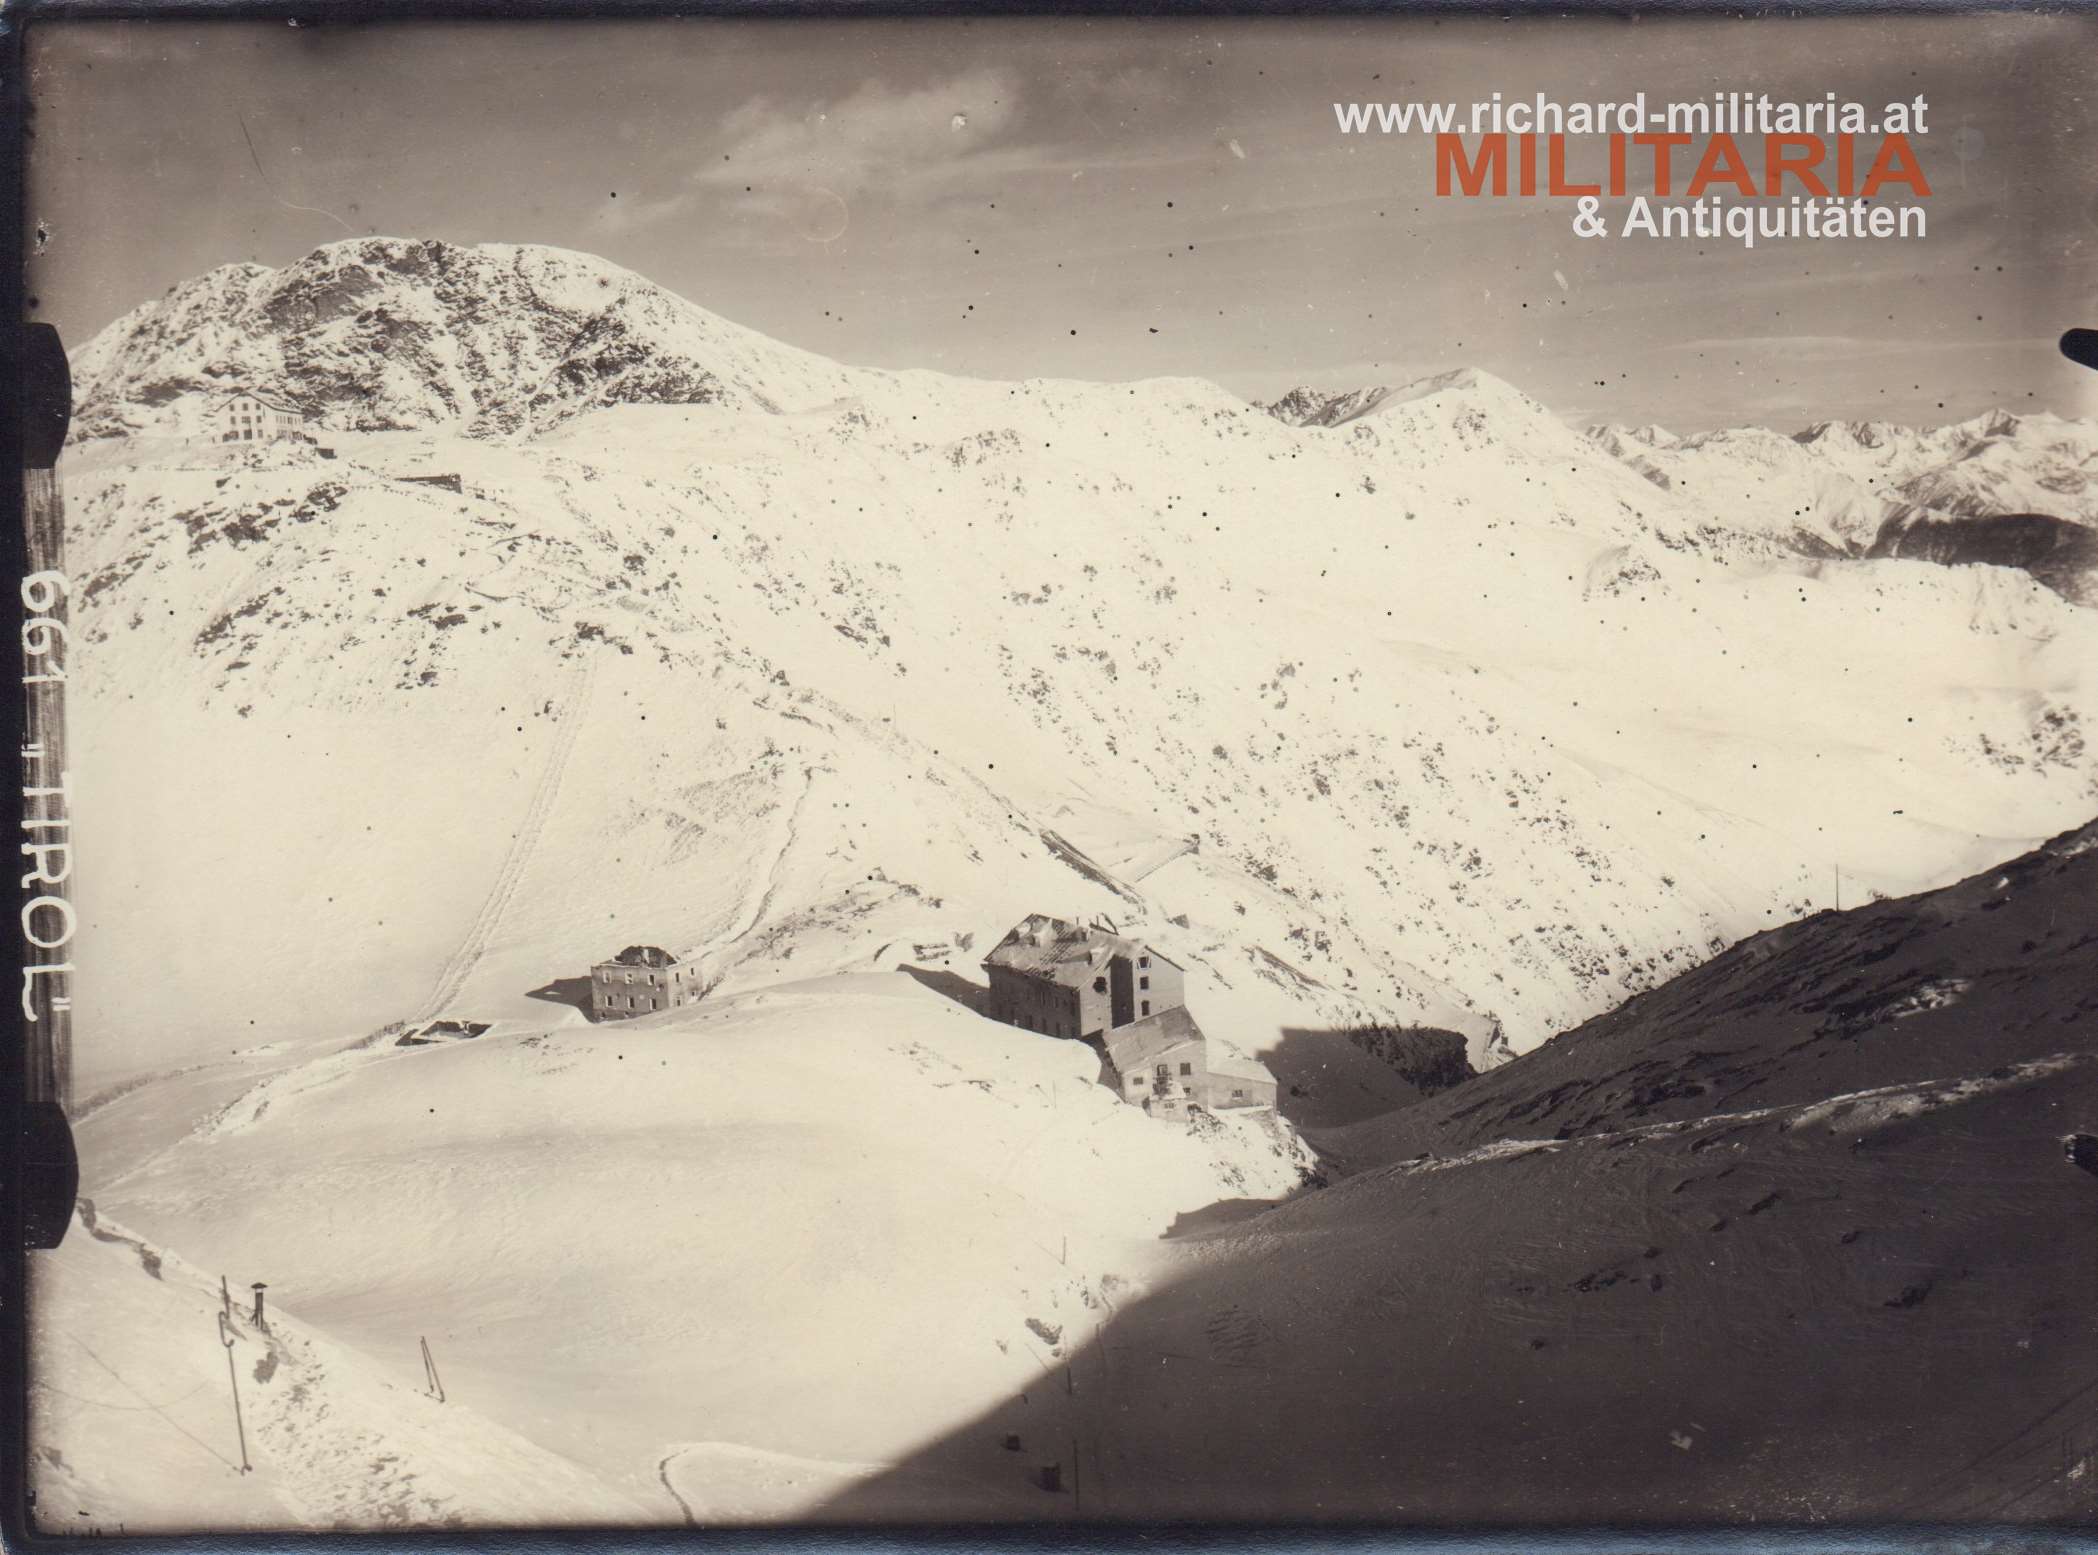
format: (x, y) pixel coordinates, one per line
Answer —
(1057, 949)
(1131, 1047)
(270, 400)
(642, 955)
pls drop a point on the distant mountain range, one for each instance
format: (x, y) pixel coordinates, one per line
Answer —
(1851, 488)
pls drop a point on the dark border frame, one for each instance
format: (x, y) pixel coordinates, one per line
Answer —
(17, 129)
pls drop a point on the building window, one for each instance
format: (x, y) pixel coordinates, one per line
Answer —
(1143, 961)
(1143, 982)
(1237, 1095)
(1099, 985)
(1187, 1068)
(1147, 1006)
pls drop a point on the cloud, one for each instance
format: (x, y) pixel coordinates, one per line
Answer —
(808, 166)
(617, 215)
(878, 138)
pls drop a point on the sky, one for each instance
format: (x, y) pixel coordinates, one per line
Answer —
(1110, 199)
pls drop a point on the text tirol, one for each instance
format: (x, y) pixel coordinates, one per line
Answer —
(1813, 165)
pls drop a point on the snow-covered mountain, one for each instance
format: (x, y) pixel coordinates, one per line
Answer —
(1466, 723)
(378, 334)
(586, 623)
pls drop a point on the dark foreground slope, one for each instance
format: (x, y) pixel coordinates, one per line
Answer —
(1794, 1237)
(1999, 968)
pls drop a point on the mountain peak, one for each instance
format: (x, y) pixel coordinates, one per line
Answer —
(379, 333)
(1306, 406)
(1613, 435)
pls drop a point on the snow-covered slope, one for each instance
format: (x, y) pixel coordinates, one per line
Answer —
(819, 1221)
(1781, 1241)
(133, 1426)
(1468, 722)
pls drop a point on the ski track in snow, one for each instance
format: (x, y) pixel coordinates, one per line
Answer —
(758, 901)
(453, 977)
(248, 1107)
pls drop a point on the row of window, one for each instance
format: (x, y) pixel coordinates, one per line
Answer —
(613, 1001)
(677, 975)
(1047, 1027)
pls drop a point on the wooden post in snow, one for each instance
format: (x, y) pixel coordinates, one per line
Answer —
(430, 1372)
(233, 1381)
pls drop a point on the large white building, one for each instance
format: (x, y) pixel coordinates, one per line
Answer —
(247, 417)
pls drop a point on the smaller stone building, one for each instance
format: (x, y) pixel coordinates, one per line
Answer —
(640, 979)
(1162, 1065)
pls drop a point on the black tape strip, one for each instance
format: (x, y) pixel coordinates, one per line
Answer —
(47, 396)
(50, 1174)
